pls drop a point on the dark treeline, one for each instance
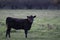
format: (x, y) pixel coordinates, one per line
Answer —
(28, 4)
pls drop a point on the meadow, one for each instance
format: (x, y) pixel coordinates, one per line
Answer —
(46, 25)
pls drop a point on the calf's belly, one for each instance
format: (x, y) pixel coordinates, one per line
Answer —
(17, 27)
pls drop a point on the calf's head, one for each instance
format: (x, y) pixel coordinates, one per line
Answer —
(31, 18)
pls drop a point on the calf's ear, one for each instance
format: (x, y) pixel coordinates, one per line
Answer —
(34, 16)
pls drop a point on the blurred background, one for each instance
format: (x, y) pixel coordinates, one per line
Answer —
(29, 4)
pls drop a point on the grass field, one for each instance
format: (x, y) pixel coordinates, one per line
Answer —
(46, 25)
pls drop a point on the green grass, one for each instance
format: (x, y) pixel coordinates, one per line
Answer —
(39, 29)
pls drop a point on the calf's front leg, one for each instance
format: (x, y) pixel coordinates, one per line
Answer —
(26, 31)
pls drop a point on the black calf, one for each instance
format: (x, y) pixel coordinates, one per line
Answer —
(16, 23)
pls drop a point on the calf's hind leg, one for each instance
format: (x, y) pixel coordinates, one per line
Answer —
(8, 32)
